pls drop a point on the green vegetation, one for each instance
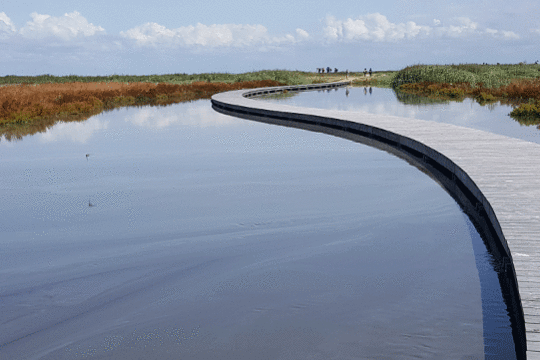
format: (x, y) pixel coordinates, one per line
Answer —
(283, 76)
(382, 79)
(489, 76)
(517, 85)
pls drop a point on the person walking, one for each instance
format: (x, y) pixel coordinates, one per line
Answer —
(370, 72)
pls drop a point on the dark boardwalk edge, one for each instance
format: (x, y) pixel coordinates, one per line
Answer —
(464, 161)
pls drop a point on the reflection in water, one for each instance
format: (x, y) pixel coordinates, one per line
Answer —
(411, 99)
(488, 117)
(218, 229)
(75, 131)
(500, 329)
(232, 238)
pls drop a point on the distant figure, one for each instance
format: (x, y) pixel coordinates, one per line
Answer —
(347, 92)
(365, 91)
(87, 155)
(370, 90)
(335, 70)
(365, 72)
(322, 70)
(347, 74)
(370, 72)
(536, 62)
(328, 70)
(319, 70)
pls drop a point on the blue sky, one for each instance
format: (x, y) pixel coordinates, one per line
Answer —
(140, 37)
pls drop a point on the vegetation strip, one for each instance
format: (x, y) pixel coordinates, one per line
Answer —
(515, 85)
(32, 104)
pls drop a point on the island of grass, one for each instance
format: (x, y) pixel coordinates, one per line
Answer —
(517, 85)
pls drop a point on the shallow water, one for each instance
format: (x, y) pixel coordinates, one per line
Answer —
(187, 233)
(493, 118)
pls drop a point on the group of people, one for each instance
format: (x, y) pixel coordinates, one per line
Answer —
(328, 70)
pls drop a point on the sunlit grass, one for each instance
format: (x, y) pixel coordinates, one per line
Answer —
(517, 85)
(282, 76)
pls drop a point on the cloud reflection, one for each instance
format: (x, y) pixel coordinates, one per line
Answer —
(196, 114)
(78, 132)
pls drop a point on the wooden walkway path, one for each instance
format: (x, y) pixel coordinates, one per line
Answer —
(500, 174)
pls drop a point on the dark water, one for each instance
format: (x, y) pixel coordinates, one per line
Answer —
(189, 234)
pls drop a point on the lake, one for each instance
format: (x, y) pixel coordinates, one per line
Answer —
(159, 232)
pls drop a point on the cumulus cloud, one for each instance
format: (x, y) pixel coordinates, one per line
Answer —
(372, 27)
(376, 27)
(66, 27)
(217, 35)
(301, 34)
(6, 26)
(501, 34)
(465, 27)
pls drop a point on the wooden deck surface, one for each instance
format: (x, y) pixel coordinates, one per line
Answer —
(506, 170)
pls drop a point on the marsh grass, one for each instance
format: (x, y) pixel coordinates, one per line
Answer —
(378, 79)
(515, 85)
(27, 109)
(489, 76)
(282, 76)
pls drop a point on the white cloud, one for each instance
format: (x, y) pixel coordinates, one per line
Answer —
(465, 28)
(6, 26)
(211, 36)
(301, 34)
(501, 34)
(372, 27)
(377, 28)
(66, 27)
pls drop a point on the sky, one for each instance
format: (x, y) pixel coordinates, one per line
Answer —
(104, 37)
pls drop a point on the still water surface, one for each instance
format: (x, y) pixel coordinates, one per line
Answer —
(187, 233)
(468, 113)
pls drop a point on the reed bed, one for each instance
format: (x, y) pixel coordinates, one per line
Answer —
(283, 76)
(27, 109)
(516, 85)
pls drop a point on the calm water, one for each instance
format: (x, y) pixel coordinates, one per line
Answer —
(188, 234)
(493, 118)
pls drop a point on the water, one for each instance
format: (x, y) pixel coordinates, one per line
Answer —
(468, 113)
(186, 233)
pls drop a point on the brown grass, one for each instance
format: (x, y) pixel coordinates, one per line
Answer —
(522, 94)
(25, 103)
(29, 109)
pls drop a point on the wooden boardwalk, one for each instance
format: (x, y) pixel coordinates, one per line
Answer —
(500, 174)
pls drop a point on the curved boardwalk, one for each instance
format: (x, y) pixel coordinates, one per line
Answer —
(500, 177)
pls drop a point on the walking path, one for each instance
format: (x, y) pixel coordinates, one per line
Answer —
(500, 174)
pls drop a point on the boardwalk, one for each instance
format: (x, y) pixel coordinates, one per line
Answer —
(499, 175)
